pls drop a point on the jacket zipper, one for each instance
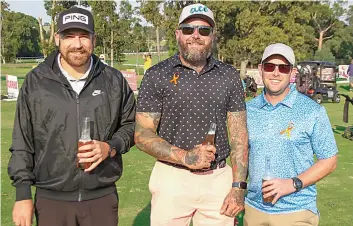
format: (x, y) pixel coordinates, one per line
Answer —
(78, 132)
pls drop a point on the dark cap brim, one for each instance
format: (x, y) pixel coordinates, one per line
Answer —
(76, 26)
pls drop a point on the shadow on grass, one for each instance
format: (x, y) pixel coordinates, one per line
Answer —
(143, 217)
(345, 87)
(338, 129)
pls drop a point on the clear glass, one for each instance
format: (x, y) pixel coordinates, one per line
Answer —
(211, 134)
(84, 140)
(268, 176)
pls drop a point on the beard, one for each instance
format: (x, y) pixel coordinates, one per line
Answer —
(76, 57)
(194, 54)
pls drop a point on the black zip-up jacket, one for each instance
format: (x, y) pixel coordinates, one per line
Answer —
(47, 128)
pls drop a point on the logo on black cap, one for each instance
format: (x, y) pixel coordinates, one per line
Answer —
(75, 17)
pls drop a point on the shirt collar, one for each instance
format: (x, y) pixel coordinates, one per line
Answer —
(287, 101)
(211, 62)
(69, 77)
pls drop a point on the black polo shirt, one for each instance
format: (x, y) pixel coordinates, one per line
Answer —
(189, 101)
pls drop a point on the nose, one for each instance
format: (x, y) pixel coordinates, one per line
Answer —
(276, 71)
(196, 33)
(77, 42)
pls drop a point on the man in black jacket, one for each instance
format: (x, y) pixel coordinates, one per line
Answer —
(71, 84)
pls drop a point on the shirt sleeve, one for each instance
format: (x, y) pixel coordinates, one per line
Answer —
(322, 139)
(150, 95)
(236, 101)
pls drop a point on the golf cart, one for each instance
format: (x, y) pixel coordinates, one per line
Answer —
(317, 79)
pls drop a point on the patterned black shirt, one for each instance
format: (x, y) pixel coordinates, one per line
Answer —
(189, 101)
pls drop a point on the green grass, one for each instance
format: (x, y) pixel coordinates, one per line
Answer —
(335, 192)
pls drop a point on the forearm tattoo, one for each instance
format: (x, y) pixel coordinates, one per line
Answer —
(148, 141)
(239, 144)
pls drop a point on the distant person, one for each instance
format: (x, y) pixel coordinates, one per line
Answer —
(54, 99)
(102, 59)
(178, 100)
(148, 62)
(350, 76)
(286, 129)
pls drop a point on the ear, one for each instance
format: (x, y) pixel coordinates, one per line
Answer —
(177, 34)
(294, 70)
(57, 39)
(94, 40)
(260, 69)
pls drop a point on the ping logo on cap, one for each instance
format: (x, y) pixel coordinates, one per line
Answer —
(199, 9)
(75, 17)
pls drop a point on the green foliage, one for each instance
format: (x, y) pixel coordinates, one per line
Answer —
(324, 54)
(19, 33)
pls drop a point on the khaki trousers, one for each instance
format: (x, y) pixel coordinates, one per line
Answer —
(179, 195)
(254, 217)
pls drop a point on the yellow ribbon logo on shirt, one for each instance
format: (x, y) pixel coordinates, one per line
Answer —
(288, 130)
(175, 78)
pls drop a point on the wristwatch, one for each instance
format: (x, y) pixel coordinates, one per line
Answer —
(241, 185)
(297, 183)
(111, 151)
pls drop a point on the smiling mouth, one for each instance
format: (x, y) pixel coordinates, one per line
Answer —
(275, 81)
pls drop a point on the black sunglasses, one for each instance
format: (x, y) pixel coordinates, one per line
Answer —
(282, 68)
(188, 29)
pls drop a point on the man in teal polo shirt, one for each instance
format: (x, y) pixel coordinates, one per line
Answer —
(289, 129)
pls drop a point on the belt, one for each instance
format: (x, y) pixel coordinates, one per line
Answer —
(214, 165)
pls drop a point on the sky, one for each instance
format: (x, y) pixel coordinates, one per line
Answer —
(34, 8)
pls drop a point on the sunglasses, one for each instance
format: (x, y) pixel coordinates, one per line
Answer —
(282, 68)
(188, 29)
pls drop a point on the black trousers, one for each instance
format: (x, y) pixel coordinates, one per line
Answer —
(95, 212)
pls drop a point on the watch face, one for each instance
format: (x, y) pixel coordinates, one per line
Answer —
(297, 183)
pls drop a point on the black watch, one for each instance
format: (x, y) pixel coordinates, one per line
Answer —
(111, 151)
(297, 183)
(241, 185)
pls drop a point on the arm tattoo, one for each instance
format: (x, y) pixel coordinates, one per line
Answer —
(239, 144)
(148, 141)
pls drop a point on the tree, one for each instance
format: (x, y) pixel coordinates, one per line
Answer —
(341, 45)
(151, 12)
(21, 34)
(324, 54)
(244, 29)
(106, 21)
(4, 9)
(324, 17)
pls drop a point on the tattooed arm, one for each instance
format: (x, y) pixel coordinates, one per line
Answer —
(234, 202)
(148, 141)
(239, 144)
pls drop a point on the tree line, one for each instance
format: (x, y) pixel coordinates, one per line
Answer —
(318, 30)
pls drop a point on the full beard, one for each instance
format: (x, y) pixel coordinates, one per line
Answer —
(193, 54)
(76, 57)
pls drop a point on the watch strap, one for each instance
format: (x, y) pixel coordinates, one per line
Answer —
(241, 185)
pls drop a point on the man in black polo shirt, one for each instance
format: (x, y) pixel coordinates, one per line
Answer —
(179, 98)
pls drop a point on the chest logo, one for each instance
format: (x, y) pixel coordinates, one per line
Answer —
(287, 131)
(175, 78)
(96, 92)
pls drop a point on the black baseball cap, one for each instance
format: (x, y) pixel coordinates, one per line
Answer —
(76, 17)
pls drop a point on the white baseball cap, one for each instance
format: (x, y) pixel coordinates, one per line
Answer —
(197, 11)
(279, 49)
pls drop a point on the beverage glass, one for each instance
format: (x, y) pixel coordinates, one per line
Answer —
(84, 140)
(268, 176)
